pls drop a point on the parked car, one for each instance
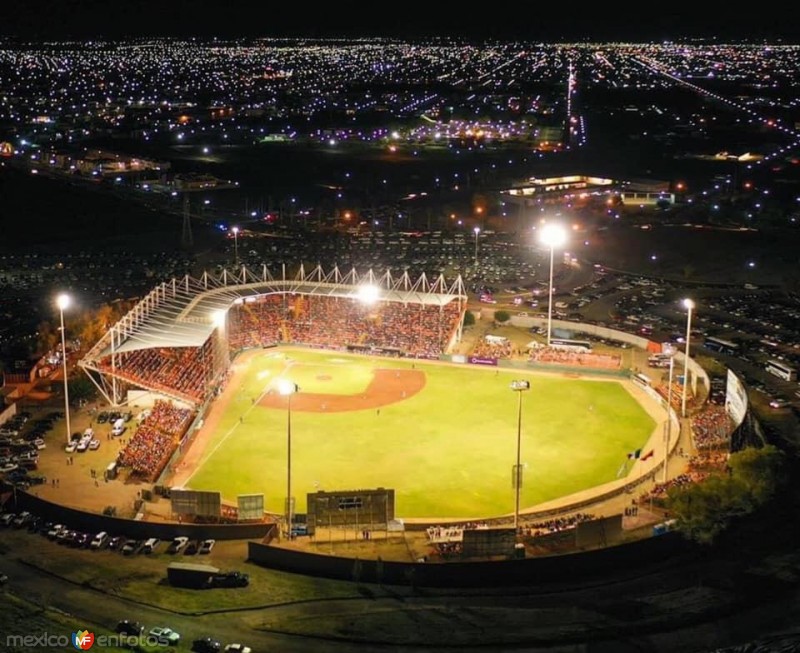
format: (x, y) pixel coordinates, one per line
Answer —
(80, 540)
(177, 545)
(150, 545)
(128, 627)
(238, 648)
(191, 548)
(116, 542)
(206, 645)
(99, 541)
(206, 546)
(230, 579)
(130, 547)
(22, 519)
(165, 635)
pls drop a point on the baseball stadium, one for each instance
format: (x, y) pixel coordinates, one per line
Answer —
(327, 382)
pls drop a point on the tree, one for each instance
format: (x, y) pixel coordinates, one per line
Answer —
(762, 470)
(469, 318)
(80, 389)
(48, 337)
(705, 509)
(502, 316)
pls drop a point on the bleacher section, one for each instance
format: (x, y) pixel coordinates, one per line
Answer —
(180, 371)
(155, 440)
(417, 330)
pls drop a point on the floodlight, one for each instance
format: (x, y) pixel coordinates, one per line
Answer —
(286, 387)
(553, 235)
(369, 294)
(63, 301)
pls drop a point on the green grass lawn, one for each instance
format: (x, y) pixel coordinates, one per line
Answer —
(447, 451)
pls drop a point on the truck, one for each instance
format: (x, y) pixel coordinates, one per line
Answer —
(191, 575)
(196, 576)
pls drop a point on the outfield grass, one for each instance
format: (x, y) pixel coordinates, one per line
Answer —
(447, 451)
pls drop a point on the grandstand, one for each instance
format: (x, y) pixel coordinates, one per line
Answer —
(179, 340)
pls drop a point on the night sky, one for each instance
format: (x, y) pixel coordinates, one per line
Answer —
(499, 19)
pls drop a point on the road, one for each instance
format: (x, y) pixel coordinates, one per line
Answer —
(680, 604)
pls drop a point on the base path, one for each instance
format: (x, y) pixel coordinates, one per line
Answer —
(387, 387)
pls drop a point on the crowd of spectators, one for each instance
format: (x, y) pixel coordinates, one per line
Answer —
(701, 466)
(155, 439)
(491, 347)
(185, 371)
(556, 524)
(677, 394)
(574, 358)
(417, 330)
(712, 428)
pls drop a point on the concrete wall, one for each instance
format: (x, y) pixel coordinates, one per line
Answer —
(610, 561)
(8, 413)
(94, 523)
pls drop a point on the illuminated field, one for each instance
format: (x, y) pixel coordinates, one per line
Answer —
(444, 437)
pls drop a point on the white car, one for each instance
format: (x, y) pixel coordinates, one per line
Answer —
(238, 648)
(178, 544)
(150, 545)
(71, 446)
(94, 445)
(99, 540)
(206, 546)
(164, 635)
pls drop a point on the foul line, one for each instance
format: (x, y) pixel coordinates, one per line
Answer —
(231, 431)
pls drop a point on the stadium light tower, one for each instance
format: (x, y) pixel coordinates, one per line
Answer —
(552, 235)
(287, 388)
(368, 294)
(477, 231)
(236, 244)
(689, 305)
(63, 301)
(668, 430)
(519, 387)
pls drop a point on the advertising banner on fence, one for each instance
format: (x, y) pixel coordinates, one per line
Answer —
(477, 360)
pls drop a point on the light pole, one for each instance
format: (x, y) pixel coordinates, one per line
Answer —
(287, 388)
(552, 235)
(236, 244)
(519, 387)
(689, 304)
(668, 433)
(477, 231)
(63, 301)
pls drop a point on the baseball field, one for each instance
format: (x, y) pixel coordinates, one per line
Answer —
(443, 436)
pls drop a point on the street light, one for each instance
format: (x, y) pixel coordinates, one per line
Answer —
(519, 387)
(668, 433)
(63, 301)
(552, 236)
(236, 244)
(689, 305)
(287, 388)
(477, 231)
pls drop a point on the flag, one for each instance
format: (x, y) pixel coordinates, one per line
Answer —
(649, 454)
(633, 455)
